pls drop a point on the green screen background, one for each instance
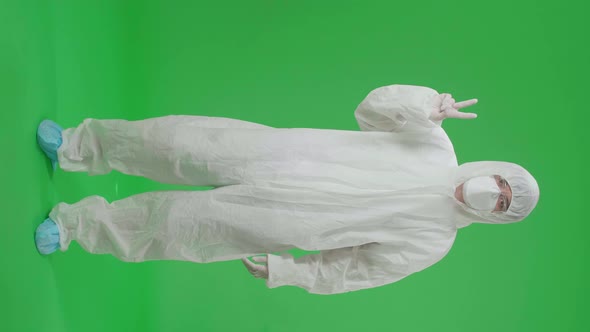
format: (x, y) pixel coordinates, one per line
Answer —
(297, 64)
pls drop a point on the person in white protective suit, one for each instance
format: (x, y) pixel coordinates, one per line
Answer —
(377, 204)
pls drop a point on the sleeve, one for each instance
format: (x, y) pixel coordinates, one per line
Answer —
(348, 269)
(396, 108)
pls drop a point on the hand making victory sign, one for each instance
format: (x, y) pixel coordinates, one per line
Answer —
(446, 107)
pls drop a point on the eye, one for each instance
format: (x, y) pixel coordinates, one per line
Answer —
(503, 202)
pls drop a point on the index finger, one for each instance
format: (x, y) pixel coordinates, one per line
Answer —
(466, 103)
(248, 263)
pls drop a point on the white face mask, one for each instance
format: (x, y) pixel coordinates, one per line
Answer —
(481, 193)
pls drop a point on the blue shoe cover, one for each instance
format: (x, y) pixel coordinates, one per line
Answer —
(47, 237)
(49, 139)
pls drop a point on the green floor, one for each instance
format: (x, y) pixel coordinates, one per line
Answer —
(297, 64)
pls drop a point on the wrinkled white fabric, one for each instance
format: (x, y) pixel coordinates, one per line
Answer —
(481, 193)
(378, 204)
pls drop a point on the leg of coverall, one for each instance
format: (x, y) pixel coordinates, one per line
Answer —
(198, 226)
(169, 149)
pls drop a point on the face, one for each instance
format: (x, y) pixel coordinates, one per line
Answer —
(503, 201)
(505, 197)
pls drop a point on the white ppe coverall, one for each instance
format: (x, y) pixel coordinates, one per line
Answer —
(378, 204)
